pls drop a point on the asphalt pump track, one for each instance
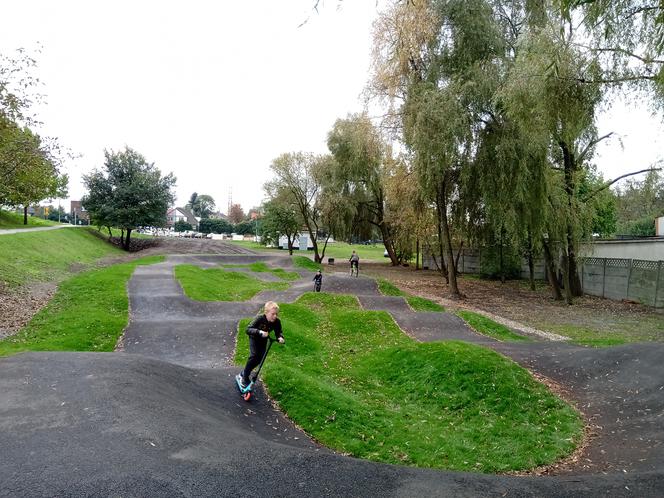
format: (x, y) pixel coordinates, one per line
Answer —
(162, 417)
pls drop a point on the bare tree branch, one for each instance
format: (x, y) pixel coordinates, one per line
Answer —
(608, 184)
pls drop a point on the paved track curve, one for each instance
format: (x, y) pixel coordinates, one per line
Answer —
(163, 418)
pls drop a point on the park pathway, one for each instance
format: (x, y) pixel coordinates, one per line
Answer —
(8, 231)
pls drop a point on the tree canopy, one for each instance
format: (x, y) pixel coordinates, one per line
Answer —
(128, 193)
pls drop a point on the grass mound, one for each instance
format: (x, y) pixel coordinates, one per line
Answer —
(216, 284)
(48, 255)
(306, 263)
(88, 313)
(356, 383)
(416, 303)
(14, 220)
(488, 327)
(261, 267)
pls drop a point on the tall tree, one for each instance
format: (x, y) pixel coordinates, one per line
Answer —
(205, 206)
(29, 164)
(299, 173)
(360, 173)
(236, 214)
(128, 193)
(280, 218)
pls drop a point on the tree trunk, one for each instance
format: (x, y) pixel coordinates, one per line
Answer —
(417, 253)
(572, 280)
(551, 272)
(454, 288)
(25, 215)
(440, 201)
(389, 245)
(126, 244)
(531, 262)
(456, 260)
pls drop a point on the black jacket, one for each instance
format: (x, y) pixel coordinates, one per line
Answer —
(261, 323)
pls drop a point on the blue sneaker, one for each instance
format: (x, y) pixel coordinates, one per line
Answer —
(240, 380)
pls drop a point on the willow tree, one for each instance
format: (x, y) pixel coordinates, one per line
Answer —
(361, 156)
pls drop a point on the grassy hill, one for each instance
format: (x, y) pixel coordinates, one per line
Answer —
(48, 255)
(13, 220)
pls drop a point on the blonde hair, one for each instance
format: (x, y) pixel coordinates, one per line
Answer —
(270, 305)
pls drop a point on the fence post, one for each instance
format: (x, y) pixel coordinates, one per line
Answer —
(629, 278)
(659, 271)
(603, 276)
(583, 268)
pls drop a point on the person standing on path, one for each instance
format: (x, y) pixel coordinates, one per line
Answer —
(258, 331)
(354, 264)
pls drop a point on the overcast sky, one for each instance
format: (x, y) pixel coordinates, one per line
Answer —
(213, 91)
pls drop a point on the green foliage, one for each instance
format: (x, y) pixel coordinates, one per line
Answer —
(373, 393)
(88, 313)
(29, 163)
(49, 255)
(130, 193)
(219, 285)
(182, 226)
(639, 202)
(488, 327)
(280, 218)
(245, 227)
(211, 225)
(494, 265)
(640, 227)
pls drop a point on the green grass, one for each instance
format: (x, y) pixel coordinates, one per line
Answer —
(373, 393)
(88, 313)
(261, 267)
(44, 256)
(488, 327)
(422, 304)
(13, 220)
(306, 263)
(216, 284)
(585, 336)
(416, 303)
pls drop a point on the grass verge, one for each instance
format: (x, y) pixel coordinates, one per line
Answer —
(88, 313)
(488, 327)
(585, 336)
(216, 284)
(416, 303)
(373, 393)
(48, 255)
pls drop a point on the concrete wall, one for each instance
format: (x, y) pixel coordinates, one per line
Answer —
(645, 249)
(639, 280)
(632, 279)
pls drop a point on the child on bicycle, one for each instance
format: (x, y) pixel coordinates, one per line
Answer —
(354, 264)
